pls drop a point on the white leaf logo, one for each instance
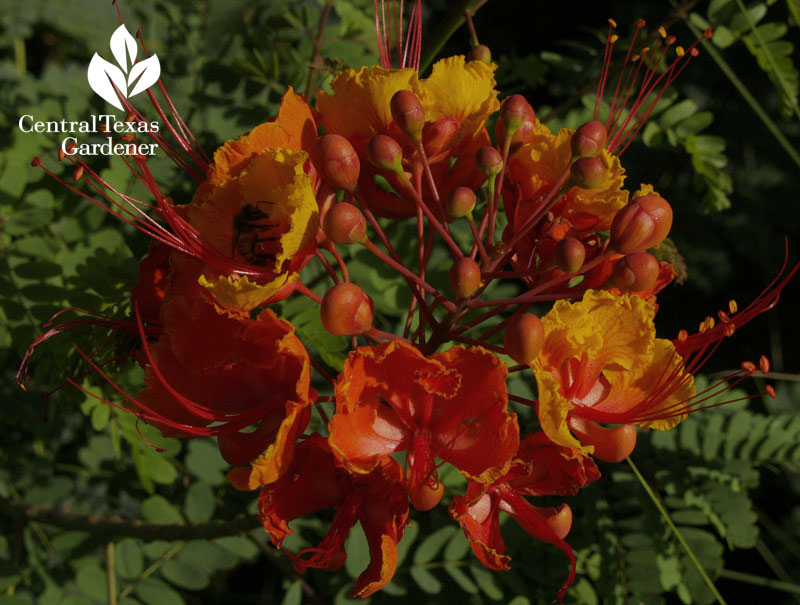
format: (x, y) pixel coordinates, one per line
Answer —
(147, 71)
(101, 75)
(123, 46)
(104, 76)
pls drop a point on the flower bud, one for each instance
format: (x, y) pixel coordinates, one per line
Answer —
(514, 112)
(569, 254)
(642, 224)
(610, 445)
(515, 109)
(408, 113)
(489, 161)
(461, 202)
(480, 52)
(465, 277)
(384, 152)
(588, 140)
(635, 272)
(524, 337)
(344, 224)
(337, 161)
(426, 496)
(587, 173)
(439, 135)
(559, 520)
(346, 310)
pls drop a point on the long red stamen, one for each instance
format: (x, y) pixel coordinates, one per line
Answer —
(626, 118)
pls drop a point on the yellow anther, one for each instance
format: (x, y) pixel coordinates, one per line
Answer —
(679, 51)
(662, 32)
(614, 38)
(732, 306)
(612, 23)
(634, 58)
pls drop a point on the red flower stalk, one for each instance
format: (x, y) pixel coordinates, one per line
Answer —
(624, 121)
(409, 52)
(314, 481)
(540, 468)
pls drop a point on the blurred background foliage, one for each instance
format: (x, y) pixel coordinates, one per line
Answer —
(81, 483)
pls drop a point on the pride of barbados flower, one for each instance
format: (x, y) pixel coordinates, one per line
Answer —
(451, 406)
(601, 362)
(387, 152)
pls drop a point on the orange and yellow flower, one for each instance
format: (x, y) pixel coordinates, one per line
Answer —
(212, 372)
(451, 405)
(315, 481)
(539, 468)
(602, 362)
(457, 98)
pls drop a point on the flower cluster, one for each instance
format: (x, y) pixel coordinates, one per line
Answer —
(548, 211)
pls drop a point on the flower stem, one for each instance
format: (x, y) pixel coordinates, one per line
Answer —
(447, 27)
(111, 573)
(657, 501)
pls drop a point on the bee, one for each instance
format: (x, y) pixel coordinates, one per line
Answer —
(250, 228)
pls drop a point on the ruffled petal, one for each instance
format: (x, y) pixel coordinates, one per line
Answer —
(480, 521)
(359, 106)
(463, 91)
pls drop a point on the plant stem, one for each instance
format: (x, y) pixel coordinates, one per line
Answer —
(111, 573)
(759, 581)
(749, 98)
(784, 88)
(447, 27)
(317, 45)
(152, 569)
(657, 501)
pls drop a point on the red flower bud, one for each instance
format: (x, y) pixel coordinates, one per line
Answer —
(426, 496)
(569, 255)
(635, 272)
(480, 53)
(558, 519)
(465, 277)
(524, 337)
(344, 224)
(384, 152)
(489, 161)
(439, 135)
(514, 112)
(587, 173)
(515, 109)
(642, 224)
(337, 162)
(346, 310)
(408, 113)
(610, 445)
(589, 139)
(461, 202)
